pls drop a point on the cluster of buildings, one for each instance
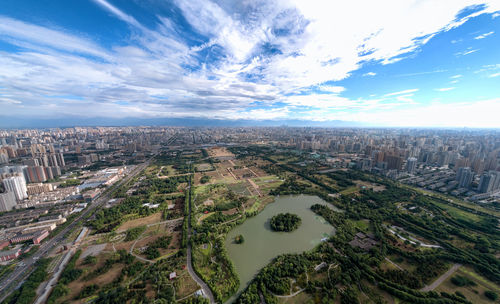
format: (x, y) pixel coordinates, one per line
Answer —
(459, 162)
(363, 241)
(47, 175)
(464, 163)
(33, 162)
(16, 237)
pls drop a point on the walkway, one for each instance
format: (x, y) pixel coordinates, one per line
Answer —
(394, 264)
(442, 278)
(206, 290)
(290, 295)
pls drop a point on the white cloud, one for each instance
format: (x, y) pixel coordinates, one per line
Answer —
(401, 92)
(127, 18)
(475, 114)
(445, 89)
(482, 36)
(332, 89)
(149, 71)
(405, 98)
(34, 36)
(494, 75)
(466, 52)
(456, 76)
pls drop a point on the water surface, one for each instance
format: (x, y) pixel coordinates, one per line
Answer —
(263, 244)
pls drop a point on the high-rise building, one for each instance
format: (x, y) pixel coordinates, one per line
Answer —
(56, 160)
(4, 158)
(394, 162)
(489, 182)
(60, 159)
(465, 177)
(443, 158)
(31, 162)
(411, 164)
(17, 185)
(35, 174)
(7, 201)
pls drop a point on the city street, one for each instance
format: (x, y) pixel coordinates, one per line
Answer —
(21, 272)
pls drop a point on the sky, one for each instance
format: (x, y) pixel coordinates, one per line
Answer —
(419, 63)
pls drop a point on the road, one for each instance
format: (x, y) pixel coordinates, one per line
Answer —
(9, 283)
(442, 278)
(192, 273)
(55, 276)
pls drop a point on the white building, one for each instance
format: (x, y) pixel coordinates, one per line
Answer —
(7, 201)
(16, 184)
(411, 164)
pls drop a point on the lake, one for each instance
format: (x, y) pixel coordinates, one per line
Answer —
(263, 244)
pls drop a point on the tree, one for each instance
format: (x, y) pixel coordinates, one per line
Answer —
(285, 222)
(493, 296)
(204, 179)
(90, 260)
(239, 239)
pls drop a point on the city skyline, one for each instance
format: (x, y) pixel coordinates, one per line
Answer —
(399, 63)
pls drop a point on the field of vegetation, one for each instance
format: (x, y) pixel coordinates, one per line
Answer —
(395, 266)
(393, 243)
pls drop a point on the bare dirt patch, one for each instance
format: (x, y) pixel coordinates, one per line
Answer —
(368, 185)
(154, 218)
(219, 152)
(93, 250)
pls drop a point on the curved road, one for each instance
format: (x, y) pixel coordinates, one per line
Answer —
(192, 273)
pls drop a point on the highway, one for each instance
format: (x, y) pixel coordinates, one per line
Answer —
(9, 283)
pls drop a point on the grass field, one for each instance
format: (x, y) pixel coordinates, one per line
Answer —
(454, 200)
(239, 188)
(475, 294)
(349, 190)
(458, 213)
(204, 167)
(362, 225)
(153, 218)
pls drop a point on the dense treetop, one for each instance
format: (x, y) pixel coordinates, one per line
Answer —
(285, 222)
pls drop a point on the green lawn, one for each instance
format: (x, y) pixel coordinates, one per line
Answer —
(349, 190)
(454, 200)
(475, 294)
(362, 224)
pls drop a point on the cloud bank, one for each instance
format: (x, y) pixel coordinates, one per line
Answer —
(249, 60)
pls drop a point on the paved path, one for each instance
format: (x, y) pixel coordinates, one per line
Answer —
(198, 280)
(290, 295)
(395, 265)
(53, 281)
(442, 278)
(174, 221)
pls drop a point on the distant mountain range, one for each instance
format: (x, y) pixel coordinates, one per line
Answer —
(32, 122)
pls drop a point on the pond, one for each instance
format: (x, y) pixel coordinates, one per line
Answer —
(263, 244)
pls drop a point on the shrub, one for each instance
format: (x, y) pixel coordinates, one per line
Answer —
(239, 239)
(493, 296)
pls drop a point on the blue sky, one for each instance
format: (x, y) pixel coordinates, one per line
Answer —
(387, 63)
